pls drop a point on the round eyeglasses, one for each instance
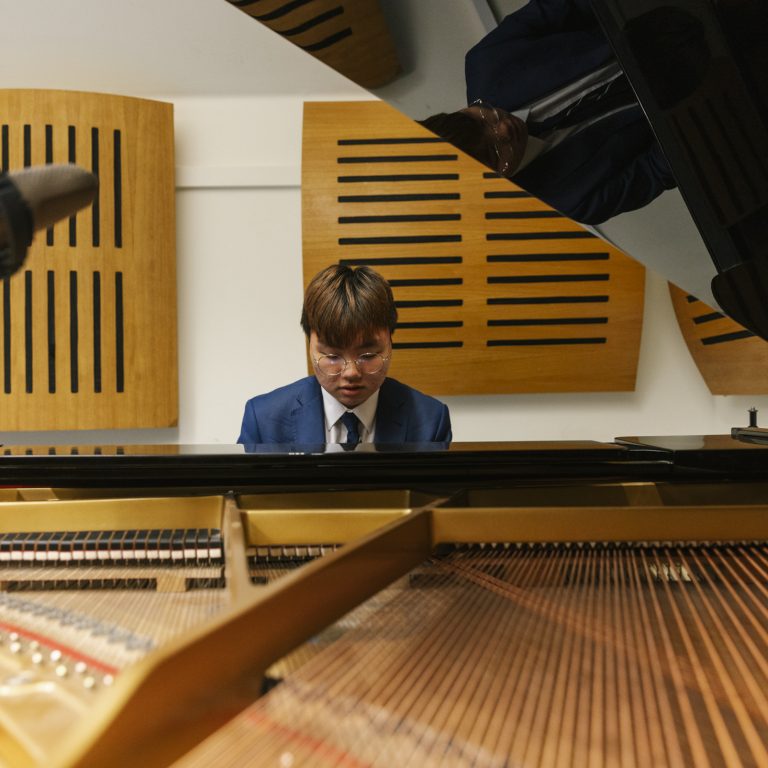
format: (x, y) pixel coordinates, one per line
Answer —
(503, 149)
(334, 365)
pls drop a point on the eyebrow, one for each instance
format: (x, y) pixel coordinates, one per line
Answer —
(331, 350)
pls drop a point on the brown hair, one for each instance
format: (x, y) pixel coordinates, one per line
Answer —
(465, 133)
(342, 303)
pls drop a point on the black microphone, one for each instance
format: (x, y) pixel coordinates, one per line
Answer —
(34, 198)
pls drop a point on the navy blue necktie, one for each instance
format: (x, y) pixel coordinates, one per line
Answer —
(352, 423)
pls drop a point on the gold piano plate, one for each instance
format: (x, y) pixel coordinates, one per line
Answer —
(310, 518)
(628, 512)
(105, 514)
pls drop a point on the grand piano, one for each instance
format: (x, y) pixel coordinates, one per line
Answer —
(521, 603)
(474, 604)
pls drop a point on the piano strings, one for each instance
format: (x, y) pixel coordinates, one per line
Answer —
(615, 654)
(104, 599)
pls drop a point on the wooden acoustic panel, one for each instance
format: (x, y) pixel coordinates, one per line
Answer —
(89, 322)
(496, 292)
(350, 36)
(731, 359)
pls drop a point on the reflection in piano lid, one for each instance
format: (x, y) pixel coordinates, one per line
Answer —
(698, 69)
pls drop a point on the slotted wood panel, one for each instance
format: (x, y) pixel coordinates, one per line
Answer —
(731, 359)
(89, 322)
(496, 292)
(350, 36)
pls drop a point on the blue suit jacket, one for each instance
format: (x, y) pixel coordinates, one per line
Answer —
(615, 164)
(294, 415)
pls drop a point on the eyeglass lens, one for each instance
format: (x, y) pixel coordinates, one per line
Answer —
(490, 117)
(333, 365)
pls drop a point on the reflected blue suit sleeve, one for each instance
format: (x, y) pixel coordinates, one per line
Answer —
(634, 187)
(533, 51)
(443, 432)
(249, 431)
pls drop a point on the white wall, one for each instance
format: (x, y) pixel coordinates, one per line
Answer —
(239, 248)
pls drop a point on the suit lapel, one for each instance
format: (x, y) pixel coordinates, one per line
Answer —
(390, 416)
(308, 416)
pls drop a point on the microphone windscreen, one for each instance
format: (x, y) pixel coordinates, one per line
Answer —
(54, 192)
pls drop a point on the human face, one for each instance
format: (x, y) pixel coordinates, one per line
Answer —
(352, 388)
(507, 134)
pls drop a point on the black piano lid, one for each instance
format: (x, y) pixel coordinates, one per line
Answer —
(721, 454)
(220, 468)
(229, 467)
(698, 68)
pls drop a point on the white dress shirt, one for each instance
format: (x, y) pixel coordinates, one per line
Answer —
(561, 99)
(335, 431)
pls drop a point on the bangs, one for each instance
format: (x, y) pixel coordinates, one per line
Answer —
(343, 305)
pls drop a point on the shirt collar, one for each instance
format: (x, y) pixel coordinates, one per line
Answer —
(533, 146)
(334, 410)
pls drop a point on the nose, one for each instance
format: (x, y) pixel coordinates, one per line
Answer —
(508, 125)
(351, 371)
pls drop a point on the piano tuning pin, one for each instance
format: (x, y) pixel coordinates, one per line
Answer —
(37, 657)
(80, 667)
(55, 655)
(107, 680)
(89, 682)
(61, 670)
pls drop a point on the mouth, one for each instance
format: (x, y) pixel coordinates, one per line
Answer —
(350, 392)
